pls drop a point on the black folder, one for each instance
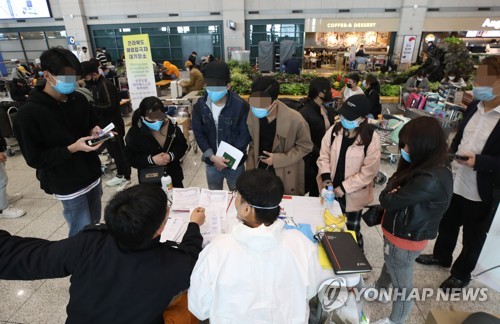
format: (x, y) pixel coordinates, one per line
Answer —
(344, 253)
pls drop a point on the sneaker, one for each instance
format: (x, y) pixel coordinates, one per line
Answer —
(124, 186)
(384, 321)
(11, 213)
(372, 292)
(13, 198)
(115, 181)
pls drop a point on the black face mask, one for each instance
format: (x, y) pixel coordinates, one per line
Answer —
(328, 96)
(349, 85)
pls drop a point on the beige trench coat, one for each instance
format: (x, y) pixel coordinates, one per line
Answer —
(291, 143)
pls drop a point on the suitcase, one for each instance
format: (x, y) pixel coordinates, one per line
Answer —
(416, 101)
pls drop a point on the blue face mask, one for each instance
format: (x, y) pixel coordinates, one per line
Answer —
(348, 124)
(66, 84)
(40, 73)
(260, 112)
(216, 93)
(483, 93)
(405, 156)
(156, 126)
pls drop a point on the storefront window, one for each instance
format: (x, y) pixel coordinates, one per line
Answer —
(167, 41)
(29, 44)
(258, 31)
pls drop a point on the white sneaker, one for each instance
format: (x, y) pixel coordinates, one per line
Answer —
(115, 181)
(372, 292)
(11, 213)
(124, 186)
(13, 198)
(383, 321)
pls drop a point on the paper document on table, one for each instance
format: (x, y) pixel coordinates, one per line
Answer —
(230, 153)
(185, 198)
(174, 230)
(212, 226)
(286, 207)
(213, 198)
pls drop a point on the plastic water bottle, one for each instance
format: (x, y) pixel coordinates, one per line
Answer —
(330, 199)
(166, 185)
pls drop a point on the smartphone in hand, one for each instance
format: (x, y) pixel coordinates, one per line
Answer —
(458, 157)
(100, 139)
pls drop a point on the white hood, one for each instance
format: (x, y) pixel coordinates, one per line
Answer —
(260, 238)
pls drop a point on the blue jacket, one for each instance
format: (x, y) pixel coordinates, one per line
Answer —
(232, 127)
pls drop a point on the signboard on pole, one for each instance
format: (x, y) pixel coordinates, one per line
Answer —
(408, 47)
(140, 73)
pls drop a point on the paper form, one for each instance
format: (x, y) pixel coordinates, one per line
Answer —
(185, 198)
(174, 230)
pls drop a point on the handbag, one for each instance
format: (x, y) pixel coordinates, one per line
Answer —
(151, 174)
(373, 216)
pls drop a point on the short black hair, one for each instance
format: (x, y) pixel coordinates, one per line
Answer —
(88, 67)
(267, 84)
(84, 47)
(135, 214)
(264, 189)
(318, 85)
(56, 59)
(354, 77)
(372, 79)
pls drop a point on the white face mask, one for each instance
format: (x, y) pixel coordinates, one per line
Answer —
(451, 78)
(420, 79)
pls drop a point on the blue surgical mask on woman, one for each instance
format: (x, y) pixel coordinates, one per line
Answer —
(65, 85)
(216, 93)
(156, 126)
(405, 155)
(483, 93)
(364, 83)
(348, 124)
(40, 73)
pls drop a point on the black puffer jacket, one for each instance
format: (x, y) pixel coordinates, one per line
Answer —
(415, 210)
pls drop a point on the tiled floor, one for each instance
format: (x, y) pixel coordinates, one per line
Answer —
(44, 301)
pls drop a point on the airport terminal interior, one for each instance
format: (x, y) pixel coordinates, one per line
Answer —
(320, 31)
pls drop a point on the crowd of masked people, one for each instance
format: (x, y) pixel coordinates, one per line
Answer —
(122, 273)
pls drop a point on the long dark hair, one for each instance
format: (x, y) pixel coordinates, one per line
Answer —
(147, 105)
(365, 132)
(427, 145)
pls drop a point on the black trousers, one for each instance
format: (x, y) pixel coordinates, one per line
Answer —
(353, 220)
(474, 217)
(116, 148)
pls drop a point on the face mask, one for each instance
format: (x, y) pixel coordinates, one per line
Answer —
(40, 73)
(216, 93)
(260, 112)
(327, 97)
(405, 156)
(364, 83)
(106, 73)
(420, 79)
(349, 85)
(483, 93)
(348, 124)
(62, 86)
(156, 126)
(451, 78)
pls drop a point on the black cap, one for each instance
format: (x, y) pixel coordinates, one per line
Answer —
(217, 74)
(356, 106)
(88, 67)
